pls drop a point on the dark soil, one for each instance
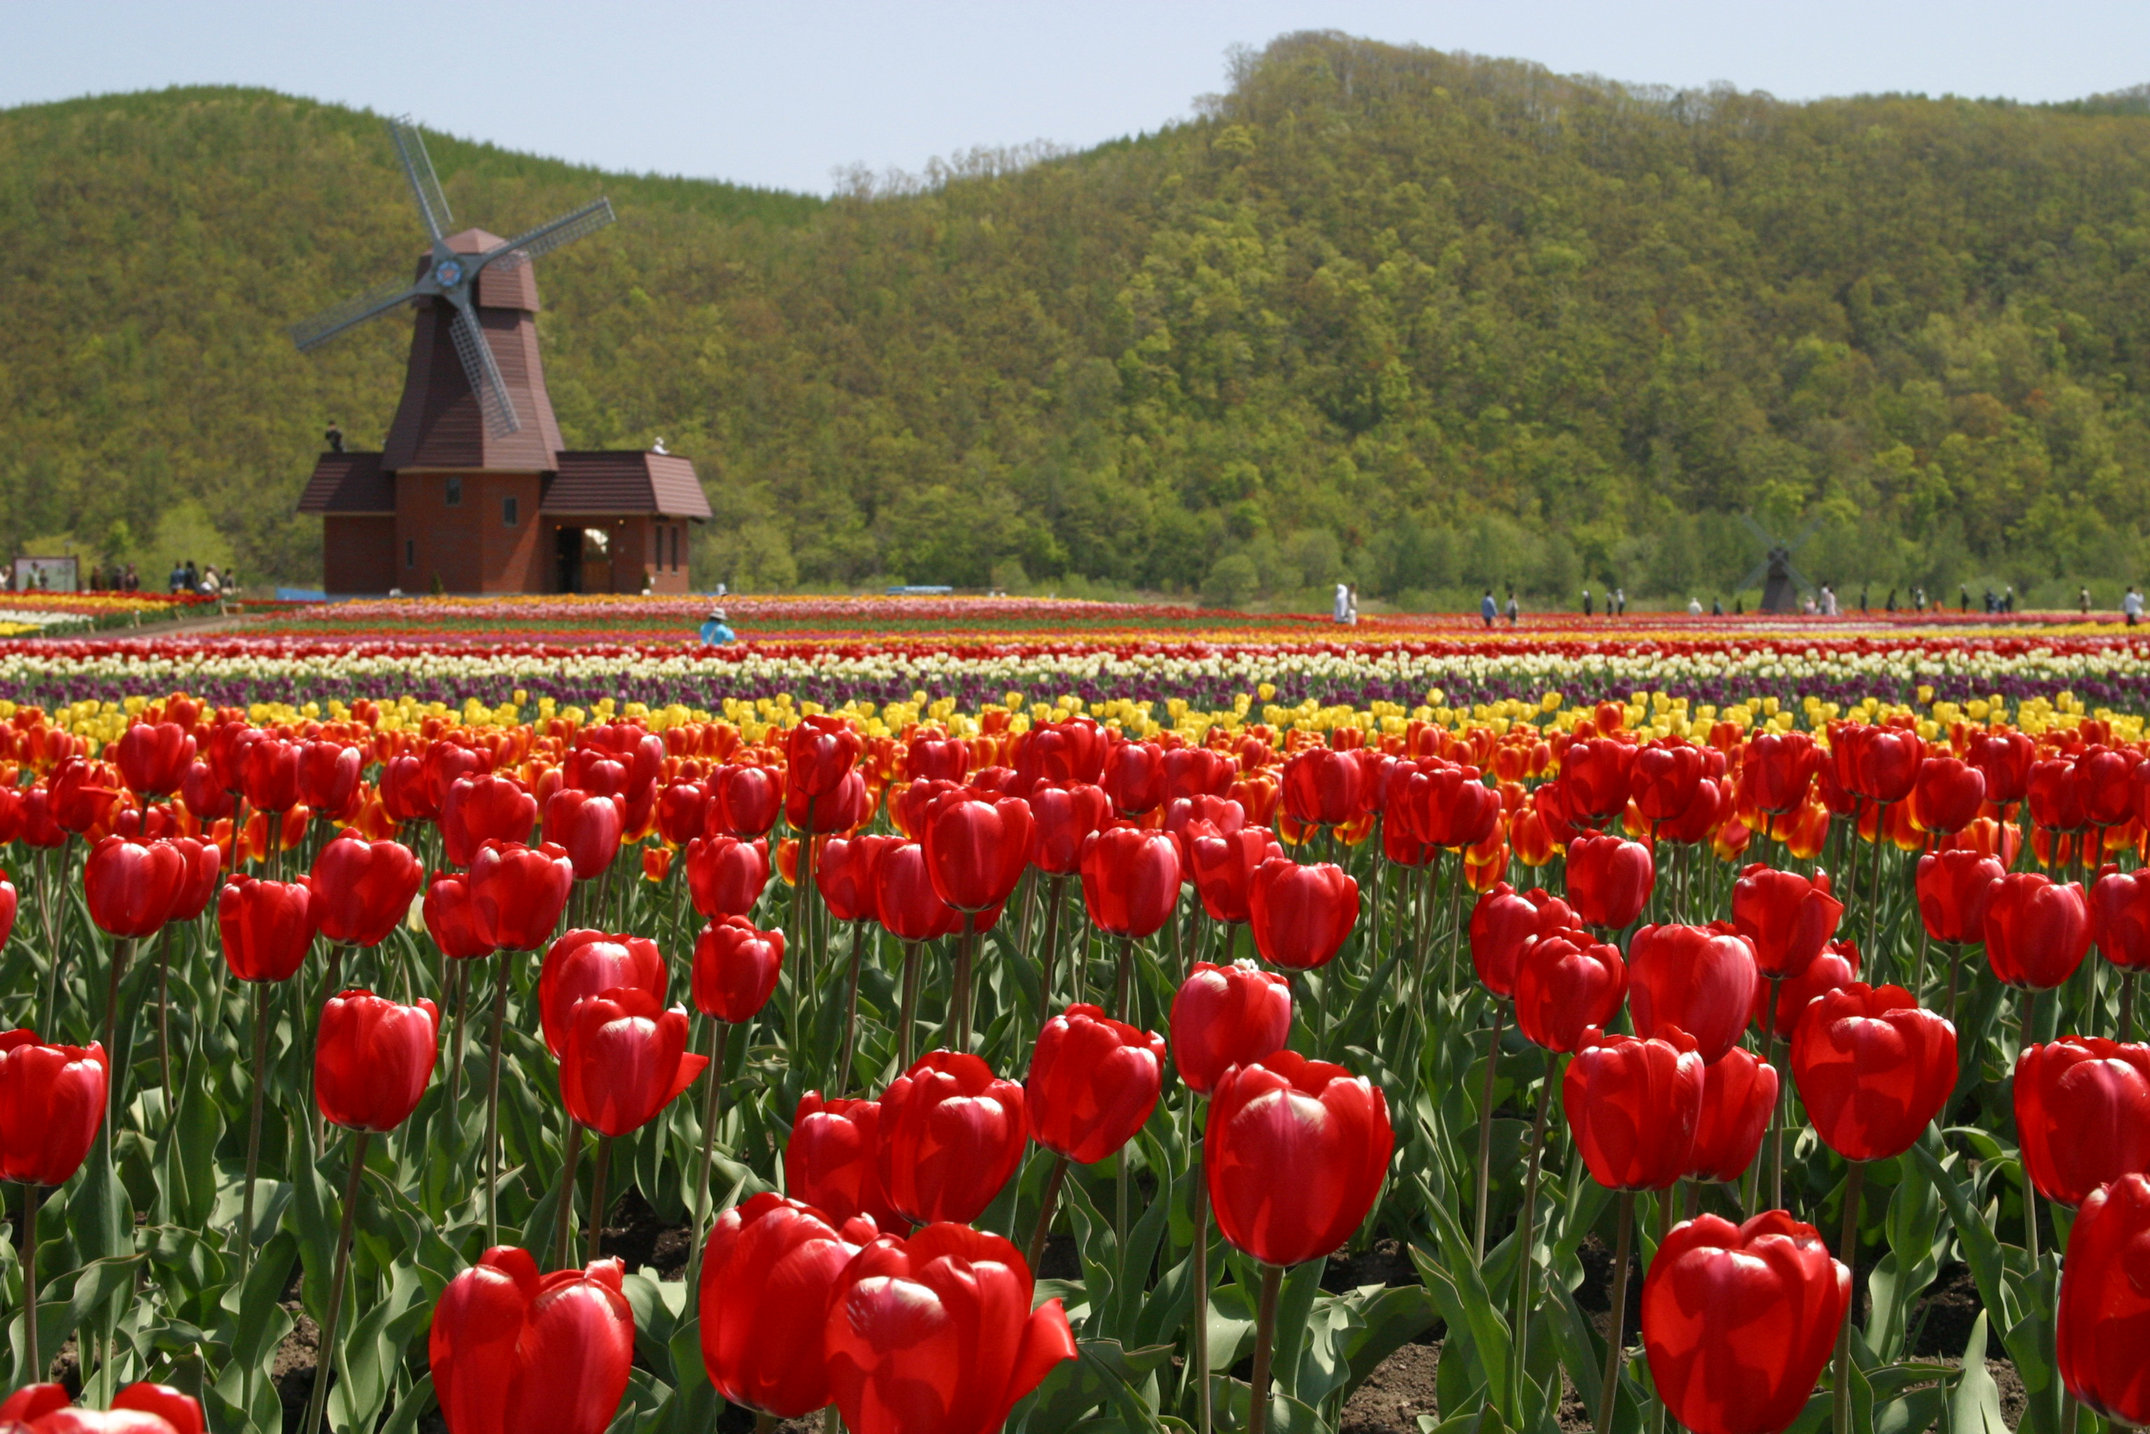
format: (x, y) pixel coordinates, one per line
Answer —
(1394, 1395)
(635, 1234)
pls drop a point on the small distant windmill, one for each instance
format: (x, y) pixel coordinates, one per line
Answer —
(452, 275)
(1781, 582)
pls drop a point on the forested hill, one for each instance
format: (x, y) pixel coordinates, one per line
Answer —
(1421, 319)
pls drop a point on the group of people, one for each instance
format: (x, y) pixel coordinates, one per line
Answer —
(115, 578)
(208, 582)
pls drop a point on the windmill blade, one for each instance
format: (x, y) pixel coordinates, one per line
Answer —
(418, 169)
(482, 371)
(548, 237)
(1806, 533)
(1753, 579)
(1802, 579)
(1761, 534)
(311, 333)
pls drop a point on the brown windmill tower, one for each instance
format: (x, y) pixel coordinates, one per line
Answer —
(473, 490)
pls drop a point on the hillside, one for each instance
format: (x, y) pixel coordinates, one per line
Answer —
(1425, 320)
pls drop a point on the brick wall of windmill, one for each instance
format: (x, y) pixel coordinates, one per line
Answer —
(485, 541)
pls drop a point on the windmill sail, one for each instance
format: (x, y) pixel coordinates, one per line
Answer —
(318, 330)
(418, 169)
(483, 372)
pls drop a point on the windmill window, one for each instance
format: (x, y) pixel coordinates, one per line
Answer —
(455, 492)
(675, 548)
(410, 552)
(507, 511)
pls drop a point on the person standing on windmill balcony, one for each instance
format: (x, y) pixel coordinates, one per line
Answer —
(334, 437)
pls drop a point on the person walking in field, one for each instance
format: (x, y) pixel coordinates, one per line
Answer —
(1586, 602)
(1487, 608)
(2131, 606)
(1515, 613)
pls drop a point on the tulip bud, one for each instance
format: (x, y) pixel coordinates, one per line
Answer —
(585, 963)
(52, 1101)
(512, 1350)
(1295, 1152)
(736, 968)
(267, 926)
(1872, 1068)
(1223, 1016)
(1633, 1106)
(951, 1134)
(1093, 1083)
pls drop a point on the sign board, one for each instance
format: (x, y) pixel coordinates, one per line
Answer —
(58, 575)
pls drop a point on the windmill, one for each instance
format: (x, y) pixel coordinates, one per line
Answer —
(451, 275)
(1780, 581)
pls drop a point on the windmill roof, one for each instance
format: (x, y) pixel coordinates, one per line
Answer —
(626, 482)
(349, 483)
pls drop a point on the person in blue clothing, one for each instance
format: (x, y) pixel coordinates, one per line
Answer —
(717, 630)
(1487, 608)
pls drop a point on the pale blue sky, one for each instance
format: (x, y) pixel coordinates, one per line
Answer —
(787, 94)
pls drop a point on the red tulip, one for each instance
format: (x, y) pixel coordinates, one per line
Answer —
(932, 754)
(1566, 984)
(1219, 815)
(833, 1160)
(1301, 914)
(373, 1058)
(519, 893)
(844, 874)
(769, 1275)
(587, 827)
(909, 803)
(1130, 880)
(453, 920)
(269, 774)
(1953, 888)
(1665, 777)
(682, 812)
(1197, 772)
(1223, 866)
(844, 806)
(267, 926)
(1093, 1083)
(52, 1100)
(153, 758)
(1295, 1153)
(2119, 918)
(1784, 916)
(84, 794)
(1071, 751)
(1697, 979)
(2056, 801)
(7, 907)
(624, 1060)
(1838, 965)
(445, 762)
(584, 963)
(2037, 930)
(1225, 1016)
(365, 888)
(1594, 773)
(820, 753)
(1134, 777)
(513, 1351)
(2004, 759)
(1700, 819)
(403, 790)
(1503, 923)
(1063, 817)
(1778, 768)
(1738, 1321)
(735, 968)
(1322, 788)
(975, 849)
(1888, 762)
(904, 899)
(1738, 1093)
(328, 777)
(1446, 805)
(1609, 879)
(1947, 795)
(744, 801)
(1872, 1068)
(2104, 786)
(935, 1334)
(1633, 1106)
(951, 1135)
(202, 863)
(137, 1409)
(2082, 1114)
(725, 875)
(2102, 1332)
(130, 887)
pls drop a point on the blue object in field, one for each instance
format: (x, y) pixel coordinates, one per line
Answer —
(920, 591)
(715, 633)
(301, 595)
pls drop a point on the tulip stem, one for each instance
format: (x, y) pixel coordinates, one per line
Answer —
(959, 999)
(164, 1019)
(765, 1422)
(1485, 1127)
(1848, 1251)
(1918, 972)
(1054, 899)
(597, 1197)
(907, 1016)
(32, 1196)
(1050, 1203)
(457, 977)
(1527, 1233)
(1873, 896)
(712, 1105)
(253, 1130)
(851, 1006)
(2030, 1191)
(325, 1357)
(2127, 1004)
(563, 1217)
(1954, 953)
(1199, 1334)
(115, 1089)
(1125, 979)
(492, 1104)
(1776, 1108)
(1616, 1333)
(1265, 1339)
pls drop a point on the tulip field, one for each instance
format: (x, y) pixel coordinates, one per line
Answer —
(498, 1016)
